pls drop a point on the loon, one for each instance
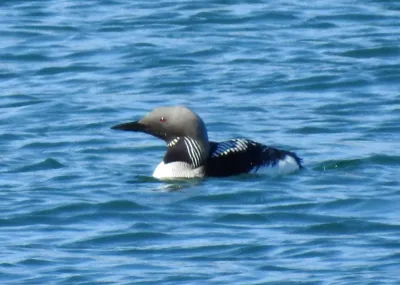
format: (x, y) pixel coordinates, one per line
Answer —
(190, 154)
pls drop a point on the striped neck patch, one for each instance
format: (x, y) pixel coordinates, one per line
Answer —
(187, 149)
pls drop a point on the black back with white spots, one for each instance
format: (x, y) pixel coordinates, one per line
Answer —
(242, 156)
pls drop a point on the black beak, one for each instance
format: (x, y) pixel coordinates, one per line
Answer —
(131, 126)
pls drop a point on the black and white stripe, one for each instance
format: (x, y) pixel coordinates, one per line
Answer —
(243, 156)
(185, 149)
(194, 150)
(191, 154)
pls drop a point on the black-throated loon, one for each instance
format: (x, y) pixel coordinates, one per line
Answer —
(190, 154)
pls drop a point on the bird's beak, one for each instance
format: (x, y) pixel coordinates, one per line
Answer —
(131, 126)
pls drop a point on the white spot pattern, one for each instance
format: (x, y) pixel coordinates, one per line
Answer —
(285, 165)
(174, 141)
(235, 145)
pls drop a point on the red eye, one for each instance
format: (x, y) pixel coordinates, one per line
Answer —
(163, 120)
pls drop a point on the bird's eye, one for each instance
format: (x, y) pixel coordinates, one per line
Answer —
(163, 120)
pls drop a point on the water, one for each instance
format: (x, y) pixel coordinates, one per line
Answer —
(79, 205)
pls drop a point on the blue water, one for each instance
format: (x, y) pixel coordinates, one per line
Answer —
(78, 203)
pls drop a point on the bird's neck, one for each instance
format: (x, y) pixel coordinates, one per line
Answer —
(187, 149)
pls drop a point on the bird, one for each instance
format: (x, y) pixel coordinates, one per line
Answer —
(190, 154)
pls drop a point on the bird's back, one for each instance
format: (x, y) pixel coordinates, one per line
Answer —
(246, 156)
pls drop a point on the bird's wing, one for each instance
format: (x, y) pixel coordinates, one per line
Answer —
(242, 156)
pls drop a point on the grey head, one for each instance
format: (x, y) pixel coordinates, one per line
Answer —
(168, 123)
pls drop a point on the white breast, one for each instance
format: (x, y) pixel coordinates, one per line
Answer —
(177, 169)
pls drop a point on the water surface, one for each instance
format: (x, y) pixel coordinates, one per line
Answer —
(79, 205)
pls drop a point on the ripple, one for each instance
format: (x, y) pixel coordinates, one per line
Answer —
(373, 52)
(27, 57)
(358, 162)
(120, 239)
(67, 69)
(19, 100)
(35, 262)
(47, 164)
(242, 219)
(78, 204)
(349, 227)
